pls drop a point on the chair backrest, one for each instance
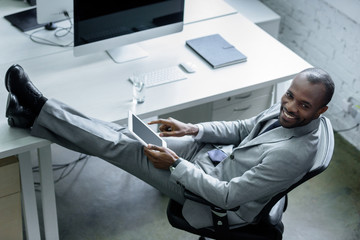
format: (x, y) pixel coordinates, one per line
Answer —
(321, 162)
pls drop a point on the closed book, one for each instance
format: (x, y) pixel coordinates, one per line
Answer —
(216, 50)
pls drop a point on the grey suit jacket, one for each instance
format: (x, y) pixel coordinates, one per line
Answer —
(256, 169)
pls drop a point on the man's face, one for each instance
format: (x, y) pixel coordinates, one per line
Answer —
(302, 102)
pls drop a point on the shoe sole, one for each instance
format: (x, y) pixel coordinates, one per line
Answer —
(7, 106)
(11, 121)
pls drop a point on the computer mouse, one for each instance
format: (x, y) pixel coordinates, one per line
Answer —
(50, 26)
(188, 67)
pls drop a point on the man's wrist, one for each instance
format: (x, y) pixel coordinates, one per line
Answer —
(194, 130)
(199, 132)
(173, 166)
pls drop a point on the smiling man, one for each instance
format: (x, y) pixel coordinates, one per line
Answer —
(306, 98)
(240, 163)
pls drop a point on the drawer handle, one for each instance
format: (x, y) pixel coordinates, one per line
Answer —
(242, 109)
(243, 96)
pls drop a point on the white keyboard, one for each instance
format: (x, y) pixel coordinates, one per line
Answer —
(162, 76)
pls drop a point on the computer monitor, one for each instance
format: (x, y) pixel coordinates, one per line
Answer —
(116, 26)
(49, 11)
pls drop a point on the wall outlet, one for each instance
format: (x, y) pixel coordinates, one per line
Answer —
(351, 106)
(346, 105)
(354, 110)
(355, 113)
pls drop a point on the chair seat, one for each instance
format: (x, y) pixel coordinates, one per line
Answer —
(260, 231)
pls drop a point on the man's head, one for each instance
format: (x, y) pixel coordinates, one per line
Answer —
(307, 98)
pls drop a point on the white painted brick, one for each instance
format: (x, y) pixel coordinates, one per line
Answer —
(356, 86)
(297, 28)
(314, 53)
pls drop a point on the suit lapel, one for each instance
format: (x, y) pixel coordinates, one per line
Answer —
(258, 126)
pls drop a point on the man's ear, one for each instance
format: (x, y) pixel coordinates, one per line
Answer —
(321, 111)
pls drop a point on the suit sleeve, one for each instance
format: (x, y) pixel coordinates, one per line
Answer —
(231, 132)
(225, 132)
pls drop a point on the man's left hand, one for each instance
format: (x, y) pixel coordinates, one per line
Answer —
(161, 157)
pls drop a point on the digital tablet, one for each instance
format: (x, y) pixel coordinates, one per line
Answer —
(143, 132)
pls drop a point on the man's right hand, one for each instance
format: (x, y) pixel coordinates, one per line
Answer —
(173, 128)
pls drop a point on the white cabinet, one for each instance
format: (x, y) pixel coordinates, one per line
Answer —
(242, 106)
(259, 14)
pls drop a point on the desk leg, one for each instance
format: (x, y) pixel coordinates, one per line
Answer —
(48, 194)
(28, 196)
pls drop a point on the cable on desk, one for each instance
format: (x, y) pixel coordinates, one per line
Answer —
(59, 33)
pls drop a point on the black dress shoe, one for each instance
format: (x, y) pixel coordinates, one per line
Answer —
(18, 83)
(18, 116)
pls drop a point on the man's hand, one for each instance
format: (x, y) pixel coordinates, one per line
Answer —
(173, 128)
(161, 157)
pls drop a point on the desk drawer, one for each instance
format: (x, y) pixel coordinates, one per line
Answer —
(9, 176)
(243, 110)
(242, 97)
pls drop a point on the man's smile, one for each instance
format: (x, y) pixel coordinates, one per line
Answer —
(287, 114)
(287, 119)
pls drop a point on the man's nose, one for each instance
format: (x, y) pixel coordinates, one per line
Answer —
(292, 106)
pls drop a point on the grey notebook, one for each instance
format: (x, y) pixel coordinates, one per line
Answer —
(216, 50)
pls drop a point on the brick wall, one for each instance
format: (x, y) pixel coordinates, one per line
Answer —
(328, 38)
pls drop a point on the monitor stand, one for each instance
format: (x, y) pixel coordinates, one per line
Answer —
(127, 53)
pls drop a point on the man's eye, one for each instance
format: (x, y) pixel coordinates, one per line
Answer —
(305, 106)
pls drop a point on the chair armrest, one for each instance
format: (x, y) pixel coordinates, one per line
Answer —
(275, 214)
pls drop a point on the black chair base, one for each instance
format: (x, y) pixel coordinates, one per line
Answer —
(261, 231)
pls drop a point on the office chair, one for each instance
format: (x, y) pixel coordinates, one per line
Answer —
(268, 224)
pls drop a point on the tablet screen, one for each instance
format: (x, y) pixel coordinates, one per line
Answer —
(143, 131)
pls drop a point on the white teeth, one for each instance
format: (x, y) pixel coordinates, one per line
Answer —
(287, 115)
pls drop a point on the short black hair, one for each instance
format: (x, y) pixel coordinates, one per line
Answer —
(319, 76)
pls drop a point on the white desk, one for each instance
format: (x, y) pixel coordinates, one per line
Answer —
(69, 79)
(97, 86)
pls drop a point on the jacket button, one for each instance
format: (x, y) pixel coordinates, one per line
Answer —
(232, 156)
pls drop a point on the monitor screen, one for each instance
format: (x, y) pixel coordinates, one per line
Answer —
(108, 25)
